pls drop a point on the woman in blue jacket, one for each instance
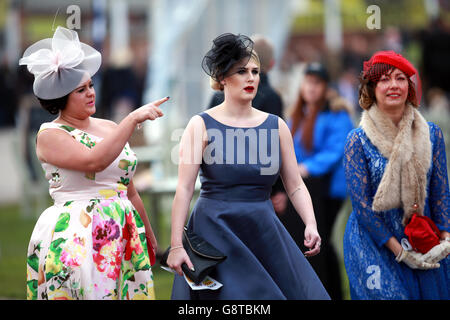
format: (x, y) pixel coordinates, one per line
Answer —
(319, 126)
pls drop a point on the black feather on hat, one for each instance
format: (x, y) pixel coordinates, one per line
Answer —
(227, 50)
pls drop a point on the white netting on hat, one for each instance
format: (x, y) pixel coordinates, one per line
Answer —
(60, 64)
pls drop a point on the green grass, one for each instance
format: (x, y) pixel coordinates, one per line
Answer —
(15, 232)
(163, 283)
(337, 239)
(14, 236)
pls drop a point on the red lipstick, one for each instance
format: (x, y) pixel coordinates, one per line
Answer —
(249, 89)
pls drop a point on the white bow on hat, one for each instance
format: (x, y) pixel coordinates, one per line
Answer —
(60, 64)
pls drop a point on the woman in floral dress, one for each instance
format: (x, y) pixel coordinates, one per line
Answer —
(93, 242)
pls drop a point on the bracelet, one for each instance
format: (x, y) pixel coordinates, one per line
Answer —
(177, 247)
(298, 188)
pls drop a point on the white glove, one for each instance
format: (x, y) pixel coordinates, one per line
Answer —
(438, 252)
(415, 260)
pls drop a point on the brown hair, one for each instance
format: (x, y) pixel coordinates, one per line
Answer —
(367, 92)
(308, 122)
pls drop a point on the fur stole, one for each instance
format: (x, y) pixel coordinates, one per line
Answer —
(408, 150)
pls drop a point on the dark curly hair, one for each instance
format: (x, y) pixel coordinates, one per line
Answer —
(54, 105)
(227, 50)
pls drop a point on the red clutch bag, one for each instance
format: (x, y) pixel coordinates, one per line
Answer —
(422, 233)
(151, 253)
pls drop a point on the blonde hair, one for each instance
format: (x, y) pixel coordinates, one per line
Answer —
(215, 85)
(255, 57)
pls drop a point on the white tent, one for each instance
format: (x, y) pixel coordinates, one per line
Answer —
(181, 32)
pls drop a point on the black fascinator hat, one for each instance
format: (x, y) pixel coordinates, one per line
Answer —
(227, 50)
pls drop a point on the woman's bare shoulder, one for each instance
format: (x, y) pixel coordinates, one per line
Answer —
(196, 122)
(104, 122)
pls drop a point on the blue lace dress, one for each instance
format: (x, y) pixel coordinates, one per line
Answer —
(234, 213)
(372, 270)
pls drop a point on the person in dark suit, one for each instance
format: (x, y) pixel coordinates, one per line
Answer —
(267, 100)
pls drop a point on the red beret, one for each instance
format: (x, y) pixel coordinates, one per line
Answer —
(392, 58)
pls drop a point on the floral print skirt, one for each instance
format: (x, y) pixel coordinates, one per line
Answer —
(94, 249)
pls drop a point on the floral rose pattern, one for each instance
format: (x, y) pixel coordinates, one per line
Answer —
(91, 248)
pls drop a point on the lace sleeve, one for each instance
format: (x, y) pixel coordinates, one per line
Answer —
(439, 198)
(359, 189)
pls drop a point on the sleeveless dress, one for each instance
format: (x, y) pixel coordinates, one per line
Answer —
(235, 214)
(91, 243)
(372, 270)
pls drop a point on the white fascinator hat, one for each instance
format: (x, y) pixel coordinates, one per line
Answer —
(60, 64)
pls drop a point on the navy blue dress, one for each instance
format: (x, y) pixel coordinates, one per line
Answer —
(234, 213)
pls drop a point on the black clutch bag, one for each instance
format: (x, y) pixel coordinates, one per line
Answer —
(202, 254)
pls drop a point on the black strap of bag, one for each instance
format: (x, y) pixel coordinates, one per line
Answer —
(204, 256)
